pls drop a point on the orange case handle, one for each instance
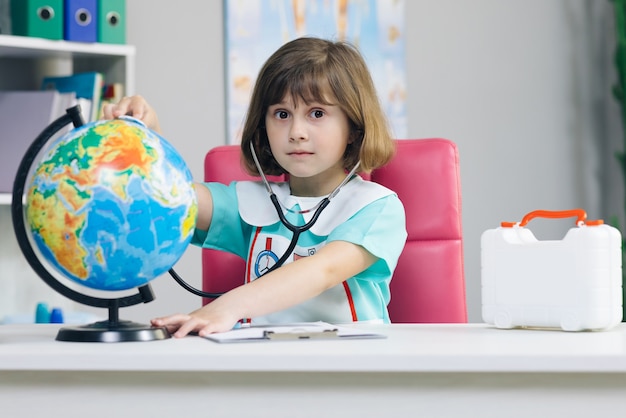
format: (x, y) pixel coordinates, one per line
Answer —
(580, 215)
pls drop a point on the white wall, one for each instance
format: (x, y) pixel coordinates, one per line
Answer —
(520, 86)
(517, 86)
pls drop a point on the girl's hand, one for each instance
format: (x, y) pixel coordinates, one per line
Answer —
(203, 321)
(135, 106)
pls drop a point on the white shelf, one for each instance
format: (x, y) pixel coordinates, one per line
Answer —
(25, 60)
(29, 47)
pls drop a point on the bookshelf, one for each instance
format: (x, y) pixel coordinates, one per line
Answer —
(24, 61)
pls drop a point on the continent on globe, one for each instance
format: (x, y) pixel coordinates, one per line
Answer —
(111, 205)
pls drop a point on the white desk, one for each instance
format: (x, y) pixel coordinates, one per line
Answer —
(468, 370)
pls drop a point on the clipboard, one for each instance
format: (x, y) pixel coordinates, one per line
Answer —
(303, 331)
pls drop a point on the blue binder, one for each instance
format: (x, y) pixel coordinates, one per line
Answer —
(81, 20)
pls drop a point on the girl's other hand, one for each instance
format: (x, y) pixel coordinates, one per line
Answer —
(135, 106)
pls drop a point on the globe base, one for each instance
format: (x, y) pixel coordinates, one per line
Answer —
(112, 332)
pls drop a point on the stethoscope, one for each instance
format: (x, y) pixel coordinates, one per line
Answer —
(295, 230)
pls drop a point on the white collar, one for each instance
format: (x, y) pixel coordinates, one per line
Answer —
(256, 208)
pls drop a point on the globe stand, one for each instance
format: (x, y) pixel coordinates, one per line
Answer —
(111, 330)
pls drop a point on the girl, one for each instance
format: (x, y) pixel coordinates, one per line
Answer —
(314, 116)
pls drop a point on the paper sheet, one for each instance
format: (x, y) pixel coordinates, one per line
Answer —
(297, 331)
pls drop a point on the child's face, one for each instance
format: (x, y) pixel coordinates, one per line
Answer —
(308, 140)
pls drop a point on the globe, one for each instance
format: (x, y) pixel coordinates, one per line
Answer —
(110, 205)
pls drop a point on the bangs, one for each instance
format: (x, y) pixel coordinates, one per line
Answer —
(310, 85)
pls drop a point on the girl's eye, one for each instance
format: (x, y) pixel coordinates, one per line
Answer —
(281, 114)
(316, 114)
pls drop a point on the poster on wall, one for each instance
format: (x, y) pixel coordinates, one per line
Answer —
(256, 29)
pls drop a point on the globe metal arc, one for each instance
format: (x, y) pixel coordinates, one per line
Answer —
(109, 205)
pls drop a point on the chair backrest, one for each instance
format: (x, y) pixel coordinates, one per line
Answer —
(428, 285)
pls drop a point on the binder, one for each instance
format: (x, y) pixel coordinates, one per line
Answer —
(292, 332)
(38, 18)
(112, 21)
(23, 115)
(81, 21)
(87, 86)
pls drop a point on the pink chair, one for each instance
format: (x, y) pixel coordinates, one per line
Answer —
(428, 285)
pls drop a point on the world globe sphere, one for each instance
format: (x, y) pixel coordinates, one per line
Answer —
(110, 205)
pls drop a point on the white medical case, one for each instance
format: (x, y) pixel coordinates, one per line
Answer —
(573, 284)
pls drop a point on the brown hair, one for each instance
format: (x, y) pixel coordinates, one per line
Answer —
(318, 70)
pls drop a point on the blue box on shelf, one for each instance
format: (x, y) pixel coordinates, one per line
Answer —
(81, 20)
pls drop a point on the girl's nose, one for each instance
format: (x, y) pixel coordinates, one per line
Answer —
(298, 130)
